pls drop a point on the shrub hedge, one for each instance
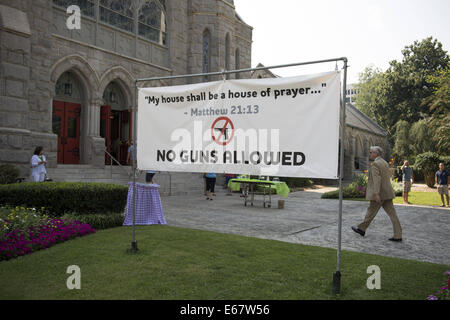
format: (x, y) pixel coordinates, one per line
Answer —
(59, 198)
(297, 182)
(8, 173)
(98, 221)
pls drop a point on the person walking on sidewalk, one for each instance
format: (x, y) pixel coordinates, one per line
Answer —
(380, 193)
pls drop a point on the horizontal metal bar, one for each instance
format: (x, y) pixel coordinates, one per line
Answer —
(225, 72)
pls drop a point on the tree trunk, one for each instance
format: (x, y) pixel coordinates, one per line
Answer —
(429, 179)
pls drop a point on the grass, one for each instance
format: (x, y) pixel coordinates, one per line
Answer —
(179, 263)
(422, 198)
(415, 197)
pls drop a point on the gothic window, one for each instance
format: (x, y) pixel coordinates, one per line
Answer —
(67, 88)
(237, 62)
(87, 7)
(112, 96)
(227, 54)
(206, 53)
(152, 21)
(118, 13)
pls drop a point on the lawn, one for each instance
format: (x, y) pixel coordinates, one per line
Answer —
(179, 263)
(422, 198)
(415, 197)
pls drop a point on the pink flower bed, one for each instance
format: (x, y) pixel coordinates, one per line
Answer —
(19, 242)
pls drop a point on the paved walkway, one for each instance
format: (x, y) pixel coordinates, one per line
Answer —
(307, 219)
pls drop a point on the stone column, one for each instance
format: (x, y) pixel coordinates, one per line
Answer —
(95, 145)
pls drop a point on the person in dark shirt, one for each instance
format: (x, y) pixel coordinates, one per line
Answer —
(441, 179)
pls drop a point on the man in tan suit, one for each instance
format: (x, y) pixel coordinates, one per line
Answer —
(380, 193)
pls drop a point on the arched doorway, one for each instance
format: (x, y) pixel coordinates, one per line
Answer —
(66, 118)
(115, 123)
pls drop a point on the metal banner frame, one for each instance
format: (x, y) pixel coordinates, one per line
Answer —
(337, 274)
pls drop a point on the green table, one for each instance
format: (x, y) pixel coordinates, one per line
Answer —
(278, 187)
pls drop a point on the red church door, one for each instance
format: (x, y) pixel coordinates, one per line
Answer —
(115, 127)
(66, 124)
(125, 135)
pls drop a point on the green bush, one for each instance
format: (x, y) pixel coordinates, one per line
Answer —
(297, 182)
(99, 221)
(357, 189)
(8, 173)
(59, 198)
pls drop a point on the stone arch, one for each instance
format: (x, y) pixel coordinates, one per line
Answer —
(88, 81)
(81, 68)
(123, 78)
(358, 153)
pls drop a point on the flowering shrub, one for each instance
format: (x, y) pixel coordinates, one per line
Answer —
(356, 189)
(13, 218)
(20, 242)
(444, 292)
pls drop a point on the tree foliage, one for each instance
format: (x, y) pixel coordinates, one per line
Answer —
(421, 137)
(402, 146)
(439, 104)
(413, 91)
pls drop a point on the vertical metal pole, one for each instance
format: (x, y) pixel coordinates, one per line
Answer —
(337, 274)
(133, 169)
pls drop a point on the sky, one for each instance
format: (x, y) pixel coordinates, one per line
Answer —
(367, 32)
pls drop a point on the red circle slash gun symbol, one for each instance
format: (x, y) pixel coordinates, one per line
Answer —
(222, 130)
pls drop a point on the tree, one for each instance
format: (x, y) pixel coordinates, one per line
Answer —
(399, 92)
(428, 163)
(402, 149)
(370, 93)
(421, 136)
(439, 104)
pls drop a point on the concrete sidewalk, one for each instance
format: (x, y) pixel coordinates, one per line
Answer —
(307, 219)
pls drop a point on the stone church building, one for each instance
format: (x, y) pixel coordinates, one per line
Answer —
(70, 88)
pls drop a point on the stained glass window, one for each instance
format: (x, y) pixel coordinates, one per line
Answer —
(206, 53)
(87, 7)
(152, 21)
(227, 54)
(113, 96)
(237, 62)
(118, 13)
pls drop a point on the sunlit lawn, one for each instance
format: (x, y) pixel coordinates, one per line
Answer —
(422, 198)
(179, 263)
(415, 198)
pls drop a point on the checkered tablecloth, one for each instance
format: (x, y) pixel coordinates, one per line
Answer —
(147, 203)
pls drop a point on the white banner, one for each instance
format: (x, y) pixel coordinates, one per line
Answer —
(276, 127)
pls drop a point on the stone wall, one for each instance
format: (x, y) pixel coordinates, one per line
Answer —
(36, 49)
(356, 151)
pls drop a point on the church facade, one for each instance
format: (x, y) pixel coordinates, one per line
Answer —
(71, 88)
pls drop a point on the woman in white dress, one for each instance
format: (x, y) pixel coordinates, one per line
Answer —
(38, 162)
